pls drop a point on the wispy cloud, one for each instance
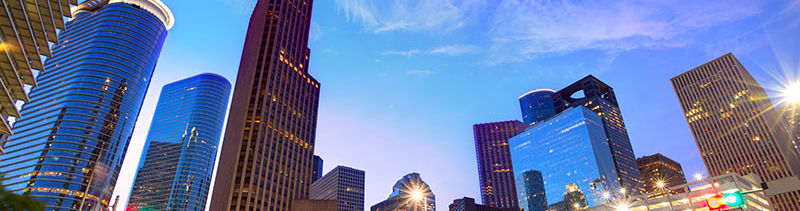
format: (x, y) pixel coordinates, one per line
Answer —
(400, 15)
(455, 49)
(452, 50)
(408, 53)
(420, 72)
(241, 6)
(531, 29)
(519, 30)
(315, 32)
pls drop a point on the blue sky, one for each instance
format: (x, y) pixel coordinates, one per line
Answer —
(403, 81)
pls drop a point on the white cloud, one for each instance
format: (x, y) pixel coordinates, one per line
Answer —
(402, 53)
(518, 30)
(451, 50)
(241, 6)
(400, 15)
(420, 72)
(315, 31)
(530, 29)
(455, 49)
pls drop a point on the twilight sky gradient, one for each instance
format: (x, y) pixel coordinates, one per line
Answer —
(403, 81)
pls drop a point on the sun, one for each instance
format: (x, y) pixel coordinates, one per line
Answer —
(791, 94)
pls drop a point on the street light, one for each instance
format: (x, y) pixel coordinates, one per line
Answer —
(698, 176)
(660, 184)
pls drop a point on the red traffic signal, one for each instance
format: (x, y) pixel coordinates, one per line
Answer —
(719, 202)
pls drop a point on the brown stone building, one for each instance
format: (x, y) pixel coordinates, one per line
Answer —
(736, 126)
(268, 149)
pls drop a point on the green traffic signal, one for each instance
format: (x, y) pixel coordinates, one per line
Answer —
(733, 199)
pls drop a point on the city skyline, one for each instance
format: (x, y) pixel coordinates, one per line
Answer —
(338, 118)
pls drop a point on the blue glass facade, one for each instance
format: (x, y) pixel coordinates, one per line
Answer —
(402, 198)
(537, 106)
(534, 190)
(570, 148)
(68, 148)
(178, 158)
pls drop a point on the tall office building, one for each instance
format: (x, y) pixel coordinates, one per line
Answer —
(659, 172)
(409, 193)
(736, 126)
(316, 173)
(535, 196)
(268, 150)
(791, 117)
(592, 93)
(495, 171)
(177, 162)
(570, 148)
(26, 28)
(468, 204)
(343, 184)
(537, 106)
(573, 199)
(69, 145)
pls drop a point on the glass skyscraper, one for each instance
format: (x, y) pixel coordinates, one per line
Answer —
(68, 147)
(402, 197)
(599, 97)
(537, 106)
(316, 173)
(570, 148)
(32, 31)
(535, 196)
(178, 158)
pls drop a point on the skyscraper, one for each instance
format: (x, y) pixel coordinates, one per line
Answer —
(468, 204)
(70, 143)
(177, 162)
(343, 184)
(535, 196)
(736, 126)
(317, 171)
(791, 117)
(573, 199)
(659, 172)
(570, 148)
(268, 150)
(26, 37)
(494, 162)
(592, 93)
(409, 193)
(537, 106)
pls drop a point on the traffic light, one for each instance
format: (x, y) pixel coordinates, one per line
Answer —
(727, 200)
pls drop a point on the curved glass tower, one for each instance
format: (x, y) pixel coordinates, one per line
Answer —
(68, 148)
(537, 106)
(186, 128)
(409, 193)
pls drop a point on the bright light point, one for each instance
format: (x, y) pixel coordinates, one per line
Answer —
(416, 195)
(698, 176)
(623, 190)
(576, 205)
(606, 195)
(660, 184)
(623, 207)
(791, 94)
